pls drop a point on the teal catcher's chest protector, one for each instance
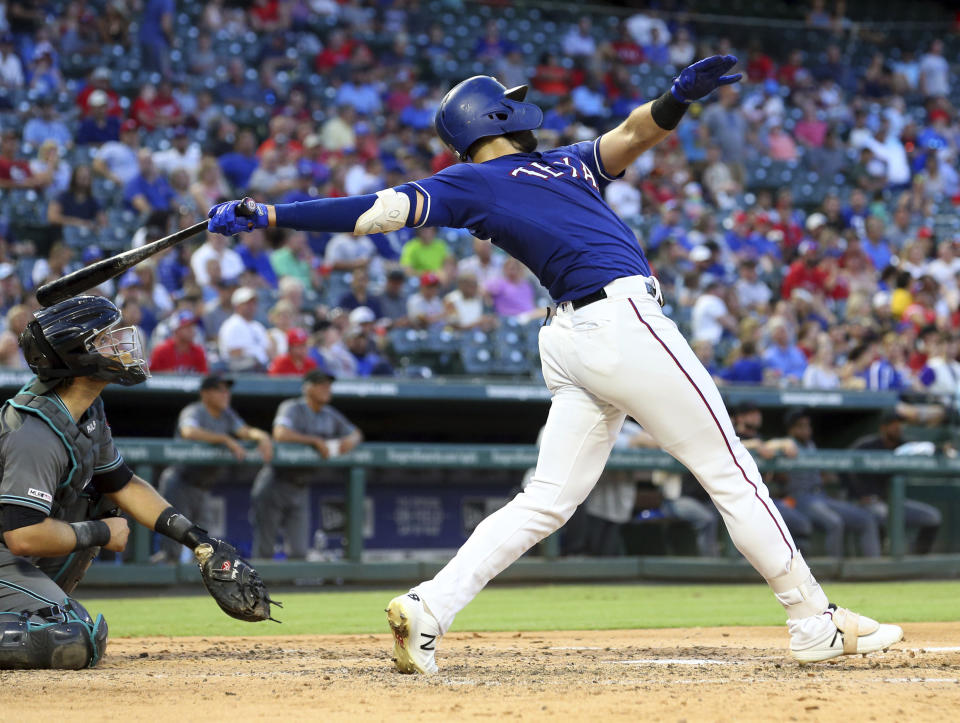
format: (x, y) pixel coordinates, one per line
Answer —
(81, 442)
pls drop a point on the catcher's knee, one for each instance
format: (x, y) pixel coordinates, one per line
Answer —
(67, 638)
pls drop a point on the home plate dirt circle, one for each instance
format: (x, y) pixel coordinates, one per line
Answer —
(691, 674)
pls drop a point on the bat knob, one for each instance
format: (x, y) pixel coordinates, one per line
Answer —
(247, 207)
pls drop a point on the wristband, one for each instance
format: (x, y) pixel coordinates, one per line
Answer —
(92, 533)
(177, 527)
(667, 111)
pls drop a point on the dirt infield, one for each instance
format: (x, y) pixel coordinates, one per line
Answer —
(692, 674)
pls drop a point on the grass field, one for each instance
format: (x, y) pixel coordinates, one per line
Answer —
(543, 607)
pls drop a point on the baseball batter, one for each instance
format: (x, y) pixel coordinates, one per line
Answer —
(608, 351)
(63, 482)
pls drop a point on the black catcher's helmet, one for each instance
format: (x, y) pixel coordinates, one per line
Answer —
(79, 337)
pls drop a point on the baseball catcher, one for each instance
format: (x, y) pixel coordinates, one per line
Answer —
(63, 486)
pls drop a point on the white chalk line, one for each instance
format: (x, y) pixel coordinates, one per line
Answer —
(677, 661)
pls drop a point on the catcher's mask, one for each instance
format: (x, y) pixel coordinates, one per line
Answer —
(480, 107)
(79, 337)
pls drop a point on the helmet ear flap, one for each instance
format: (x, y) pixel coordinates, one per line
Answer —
(35, 344)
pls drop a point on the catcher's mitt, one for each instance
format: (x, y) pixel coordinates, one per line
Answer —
(233, 583)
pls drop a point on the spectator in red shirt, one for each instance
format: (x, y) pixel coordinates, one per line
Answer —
(792, 73)
(337, 52)
(760, 67)
(15, 172)
(551, 78)
(99, 80)
(154, 109)
(180, 353)
(625, 49)
(296, 360)
(807, 272)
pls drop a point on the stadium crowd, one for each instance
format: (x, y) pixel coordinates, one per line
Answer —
(803, 225)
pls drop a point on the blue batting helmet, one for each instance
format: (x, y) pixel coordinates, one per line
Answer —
(480, 107)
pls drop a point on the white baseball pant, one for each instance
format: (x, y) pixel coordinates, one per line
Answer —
(616, 356)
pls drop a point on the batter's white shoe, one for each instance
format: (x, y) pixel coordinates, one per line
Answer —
(415, 633)
(839, 632)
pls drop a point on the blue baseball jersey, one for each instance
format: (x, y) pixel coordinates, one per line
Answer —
(544, 209)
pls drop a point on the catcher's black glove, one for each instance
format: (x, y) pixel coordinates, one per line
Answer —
(233, 583)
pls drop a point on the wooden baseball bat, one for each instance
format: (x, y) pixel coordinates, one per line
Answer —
(95, 274)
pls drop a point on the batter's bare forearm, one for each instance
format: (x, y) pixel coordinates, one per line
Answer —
(625, 143)
(141, 501)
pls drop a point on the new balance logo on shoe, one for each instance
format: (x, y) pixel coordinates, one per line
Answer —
(429, 645)
(413, 596)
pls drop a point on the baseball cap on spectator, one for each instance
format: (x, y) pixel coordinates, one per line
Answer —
(97, 98)
(129, 279)
(362, 128)
(185, 317)
(296, 336)
(745, 407)
(924, 232)
(396, 275)
(793, 415)
(305, 168)
(362, 315)
(128, 125)
(180, 132)
(6, 270)
(319, 375)
(312, 141)
(808, 247)
(815, 221)
(243, 295)
(891, 415)
(91, 254)
(101, 73)
(699, 253)
(429, 279)
(215, 381)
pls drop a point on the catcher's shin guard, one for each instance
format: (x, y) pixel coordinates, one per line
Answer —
(69, 638)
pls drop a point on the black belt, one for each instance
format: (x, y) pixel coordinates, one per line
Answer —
(588, 299)
(602, 294)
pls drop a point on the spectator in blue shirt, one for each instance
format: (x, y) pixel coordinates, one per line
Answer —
(590, 101)
(156, 32)
(359, 294)
(560, 117)
(747, 369)
(98, 127)
(874, 243)
(238, 90)
(364, 351)
(416, 115)
(783, 361)
(241, 162)
(148, 191)
(362, 95)
(252, 249)
(47, 126)
(669, 227)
